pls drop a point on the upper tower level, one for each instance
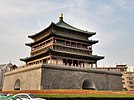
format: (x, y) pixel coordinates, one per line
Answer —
(62, 43)
(65, 29)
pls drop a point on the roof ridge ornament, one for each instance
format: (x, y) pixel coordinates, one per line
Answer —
(61, 17)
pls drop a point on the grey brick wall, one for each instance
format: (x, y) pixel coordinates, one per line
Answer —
(61, 77)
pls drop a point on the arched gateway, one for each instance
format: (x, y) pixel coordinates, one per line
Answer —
(17, 85)
(88, 84)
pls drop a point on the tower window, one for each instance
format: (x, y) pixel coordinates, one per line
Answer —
(73, 44)
(67, 43)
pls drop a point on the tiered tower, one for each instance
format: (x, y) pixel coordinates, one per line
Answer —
(62, 44)
(61, 58)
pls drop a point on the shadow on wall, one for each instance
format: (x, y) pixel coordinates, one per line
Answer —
(88, 84)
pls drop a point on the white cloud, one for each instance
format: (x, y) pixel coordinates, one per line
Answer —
(125, 4)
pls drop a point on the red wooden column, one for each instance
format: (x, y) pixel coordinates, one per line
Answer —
(91, 65)
(83, 64)
(96, 65)
(56, 61)
(50, 59)
(81, 45)
(76, 44)
(46, 60)
(70, 43)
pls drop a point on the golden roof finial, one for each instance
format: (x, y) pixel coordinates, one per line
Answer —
(61, 15)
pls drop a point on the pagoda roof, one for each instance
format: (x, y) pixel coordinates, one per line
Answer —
(35, 56)
(75, 38)
(62, 24)
(65, 25)
(63, 36)
(77, 55)
(63, 53)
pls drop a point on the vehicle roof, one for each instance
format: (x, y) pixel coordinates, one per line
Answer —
(22, 93)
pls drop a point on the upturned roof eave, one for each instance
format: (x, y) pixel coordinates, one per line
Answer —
(88, 33)
(28, 44)
(62, 24)
(95, 57)
(79, 39)
(34, 35)
(61, 35)
(28, 58)
(32, 43)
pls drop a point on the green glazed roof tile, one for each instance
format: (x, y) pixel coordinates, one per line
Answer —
(63, 24)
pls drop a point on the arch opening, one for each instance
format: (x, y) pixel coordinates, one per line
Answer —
(17, 85)
(88, 84)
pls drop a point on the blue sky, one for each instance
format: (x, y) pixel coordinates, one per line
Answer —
(112, 20)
